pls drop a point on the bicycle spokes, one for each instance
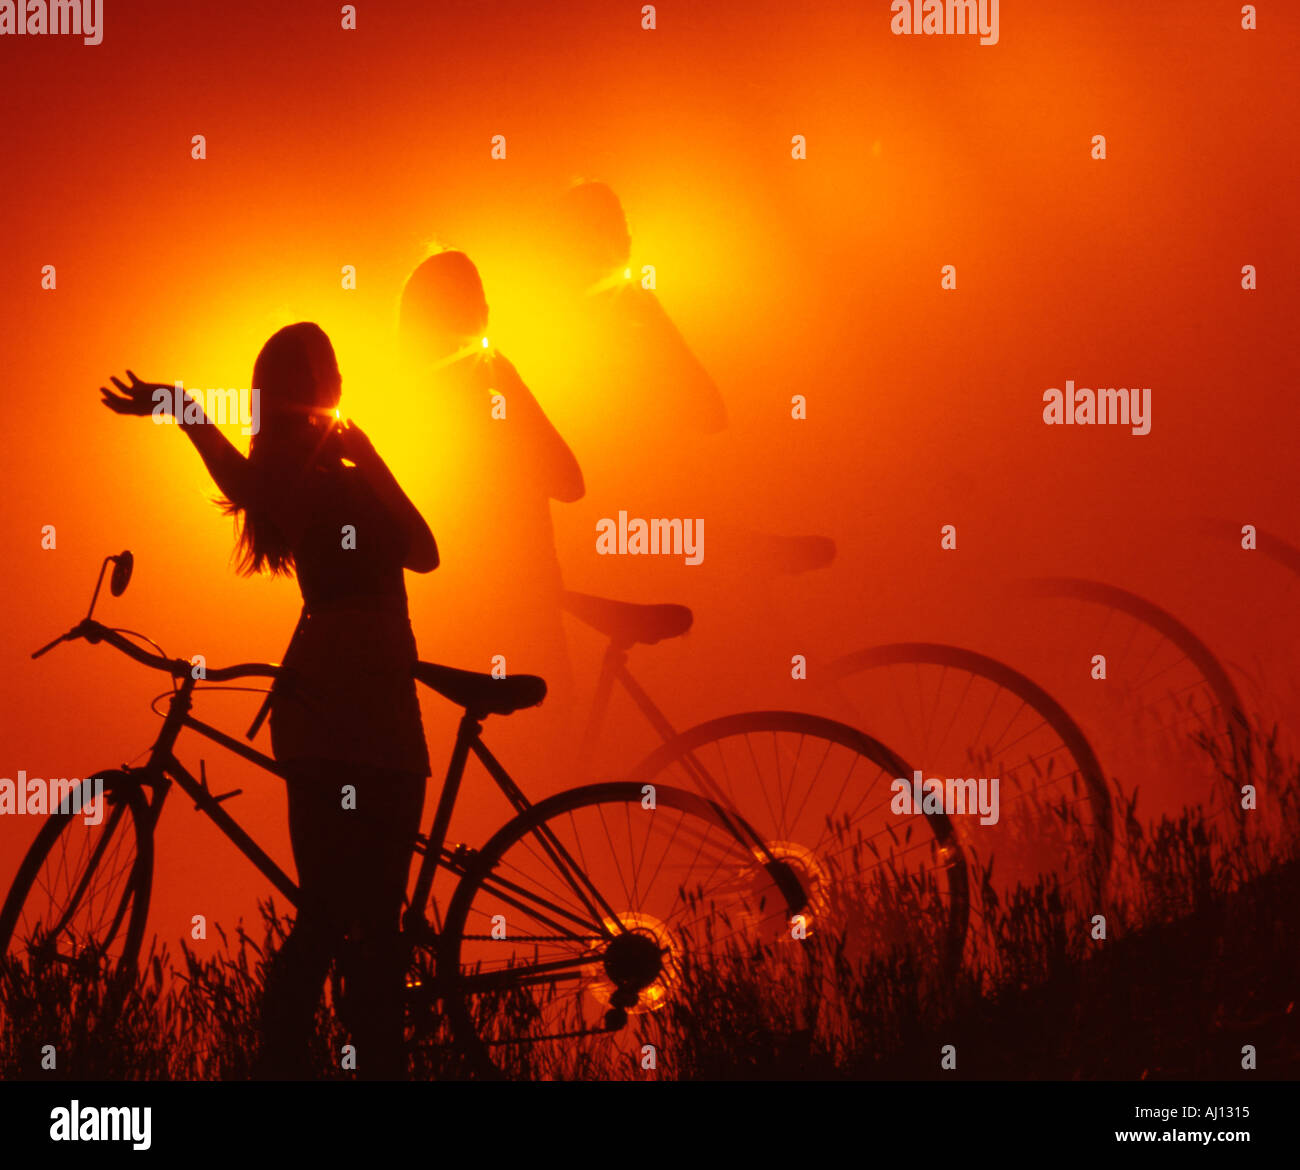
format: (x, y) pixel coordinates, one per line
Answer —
(80, 898)
(688, 900)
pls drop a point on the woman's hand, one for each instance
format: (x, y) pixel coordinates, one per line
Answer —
(228, 468)
(137, 398)
(354, 444)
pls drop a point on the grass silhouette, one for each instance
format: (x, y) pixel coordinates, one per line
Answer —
(1202, 935)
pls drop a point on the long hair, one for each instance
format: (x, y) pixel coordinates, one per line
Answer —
(296, 375)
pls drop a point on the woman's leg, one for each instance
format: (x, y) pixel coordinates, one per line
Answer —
(382, 831)
(353, 831)
(298, 969)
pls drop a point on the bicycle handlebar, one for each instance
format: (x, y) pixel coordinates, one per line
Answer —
(94, 631)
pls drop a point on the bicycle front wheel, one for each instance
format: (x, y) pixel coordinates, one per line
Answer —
(619, 931)
(81, 896)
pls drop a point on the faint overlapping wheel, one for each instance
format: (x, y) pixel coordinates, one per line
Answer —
(818, 794)
(956, 714)
(1167, 718)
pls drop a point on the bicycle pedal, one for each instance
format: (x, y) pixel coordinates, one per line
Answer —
(624, 998)
(615, 1019)
(463, 854)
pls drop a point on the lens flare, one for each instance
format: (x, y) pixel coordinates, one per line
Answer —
(654, 934)
(813, 876)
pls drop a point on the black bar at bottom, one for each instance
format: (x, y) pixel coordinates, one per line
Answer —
(943, 1120)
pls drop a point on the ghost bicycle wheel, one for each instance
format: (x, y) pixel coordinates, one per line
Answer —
(819, 794)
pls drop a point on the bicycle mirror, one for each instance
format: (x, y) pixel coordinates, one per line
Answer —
(123, 563)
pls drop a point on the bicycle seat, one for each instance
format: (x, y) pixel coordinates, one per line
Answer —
(791, 554)
(482, 694)
(625, 622)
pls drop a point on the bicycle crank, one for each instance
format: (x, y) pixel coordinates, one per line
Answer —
(633, 976)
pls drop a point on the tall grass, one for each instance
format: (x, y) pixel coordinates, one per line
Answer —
(1201, 940)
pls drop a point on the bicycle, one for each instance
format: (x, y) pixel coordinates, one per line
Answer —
(852, 857)
(818, 791)
(546, 946)
(954, 713)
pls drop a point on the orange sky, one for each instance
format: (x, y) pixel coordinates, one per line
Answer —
(819, 277)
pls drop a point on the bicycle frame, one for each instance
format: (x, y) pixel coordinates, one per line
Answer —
(614, 671)
(163, 768)
(163, 764)
(468, 739)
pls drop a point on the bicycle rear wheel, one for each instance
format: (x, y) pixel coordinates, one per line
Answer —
(619, 931)
(81, 896)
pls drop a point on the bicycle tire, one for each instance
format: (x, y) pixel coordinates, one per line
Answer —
(588, 970)
(129, 905)
(695, 743)
(1050, 712)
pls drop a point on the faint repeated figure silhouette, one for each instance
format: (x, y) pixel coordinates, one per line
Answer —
(495, 464)
(652, 430)
(345, 720)
(625, 341)
(627, 391)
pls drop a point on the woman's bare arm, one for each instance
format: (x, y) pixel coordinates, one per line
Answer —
(557, 468)
(421, 549)
(562, 474)
(228, 468)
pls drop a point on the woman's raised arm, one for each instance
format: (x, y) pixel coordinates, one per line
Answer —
(228, 468)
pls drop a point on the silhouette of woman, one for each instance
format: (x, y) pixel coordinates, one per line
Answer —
(497, 463)
(641, 409)
(647, 380)
(345, 719)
